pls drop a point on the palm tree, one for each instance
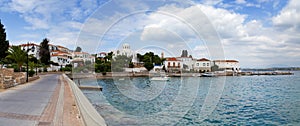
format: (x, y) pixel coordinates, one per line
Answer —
(16, 54)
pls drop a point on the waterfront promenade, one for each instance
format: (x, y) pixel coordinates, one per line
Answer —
(43, 102)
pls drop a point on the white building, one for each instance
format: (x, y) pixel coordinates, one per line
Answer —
(59, 54)
(173, 64)
(52, 47)
(64, 49)
(228, 65)
(187, 63)
(202, 65)
(84, 56)
(126, 51)
(34, 49)
(101, 54)
(62, 58)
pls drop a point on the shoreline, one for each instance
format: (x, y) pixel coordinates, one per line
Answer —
(130, 74)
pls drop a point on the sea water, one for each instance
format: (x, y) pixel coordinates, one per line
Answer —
(236, 100)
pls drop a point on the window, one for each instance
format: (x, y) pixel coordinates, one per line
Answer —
(203, 64)
(197, 64)
(169, 64)
(173, 63)
(207, 64)
(178, 64)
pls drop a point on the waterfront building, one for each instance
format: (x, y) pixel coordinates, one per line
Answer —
(202, 65)
(173, 64)
(187, 61)
(228, 65)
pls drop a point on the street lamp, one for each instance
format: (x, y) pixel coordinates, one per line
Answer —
(32, 48)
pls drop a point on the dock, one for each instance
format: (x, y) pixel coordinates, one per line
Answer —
(98, 88)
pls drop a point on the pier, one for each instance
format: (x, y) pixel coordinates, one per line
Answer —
(90, 87)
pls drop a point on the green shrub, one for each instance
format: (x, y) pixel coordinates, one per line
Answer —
(31, 73)
(45, 69)
(66, 69)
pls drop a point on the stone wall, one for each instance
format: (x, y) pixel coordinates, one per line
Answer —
(9, 78)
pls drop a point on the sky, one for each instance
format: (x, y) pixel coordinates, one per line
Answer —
(258, 33)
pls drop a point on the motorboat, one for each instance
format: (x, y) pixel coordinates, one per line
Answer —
(160, 79)
(208, 74)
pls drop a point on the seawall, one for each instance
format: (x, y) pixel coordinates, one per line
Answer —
(88, 113)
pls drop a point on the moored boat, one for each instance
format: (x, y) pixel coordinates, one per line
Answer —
(208, 74)
(160, 79)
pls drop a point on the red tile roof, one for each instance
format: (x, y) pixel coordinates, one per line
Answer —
(61, 47)
(171, 59)
(226, 61)
(103, 53)
(203, 59)
(29, 44)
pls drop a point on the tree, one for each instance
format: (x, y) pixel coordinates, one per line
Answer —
(4, 44)
(131, 65)
(120, 62)
(149, 66)
(149, 59)
(44, 52)
(109, 56)
(214, 67)
(16, 54)
(78, 49)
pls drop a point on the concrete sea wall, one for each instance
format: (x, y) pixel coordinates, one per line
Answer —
(88, 113)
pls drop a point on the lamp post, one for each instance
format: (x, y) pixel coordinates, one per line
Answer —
(36, 71)
(32, 48)
(27, 63)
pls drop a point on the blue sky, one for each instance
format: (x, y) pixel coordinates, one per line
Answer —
(258, 33)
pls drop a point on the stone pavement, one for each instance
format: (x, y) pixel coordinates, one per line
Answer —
(40, 102)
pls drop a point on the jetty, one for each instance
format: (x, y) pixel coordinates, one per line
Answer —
(85, 87)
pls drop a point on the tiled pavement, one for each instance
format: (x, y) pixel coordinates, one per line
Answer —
(35, 103)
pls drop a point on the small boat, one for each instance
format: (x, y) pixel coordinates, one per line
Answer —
(160, 79)
(196, 75)
(208, 74)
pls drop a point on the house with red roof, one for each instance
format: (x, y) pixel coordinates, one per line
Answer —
(228, 65)
(202, 65)
(172, 64)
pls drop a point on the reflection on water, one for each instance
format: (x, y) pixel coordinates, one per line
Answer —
(245, 100)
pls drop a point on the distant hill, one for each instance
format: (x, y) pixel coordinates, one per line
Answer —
(273, 69)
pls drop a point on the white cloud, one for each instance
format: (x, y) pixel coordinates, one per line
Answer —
(248, 41)
(240, 1)
(36, 23)
(159, 34)
(251, 42)
(289, 18)
(211, 2)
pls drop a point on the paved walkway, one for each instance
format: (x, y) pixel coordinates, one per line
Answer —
(40, 102)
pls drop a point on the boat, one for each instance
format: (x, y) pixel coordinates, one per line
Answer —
(208, 74)
(160, 79)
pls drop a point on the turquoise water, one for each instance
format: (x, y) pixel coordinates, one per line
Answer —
(242, 100)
